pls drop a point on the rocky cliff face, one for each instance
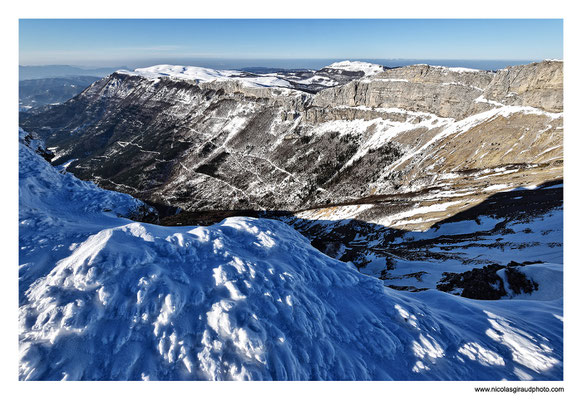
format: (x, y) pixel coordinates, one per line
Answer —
(538, 85)
(442, 91)
(453, 92)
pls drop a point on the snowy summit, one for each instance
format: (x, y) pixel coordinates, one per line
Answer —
(354, 66)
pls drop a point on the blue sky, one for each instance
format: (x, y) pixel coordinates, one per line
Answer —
(116, 42)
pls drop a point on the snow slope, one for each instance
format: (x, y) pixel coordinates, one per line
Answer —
(103, 297)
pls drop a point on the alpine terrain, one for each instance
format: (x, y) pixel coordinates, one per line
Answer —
(354, 222)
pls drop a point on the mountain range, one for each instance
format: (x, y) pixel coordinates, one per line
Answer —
(426, 178)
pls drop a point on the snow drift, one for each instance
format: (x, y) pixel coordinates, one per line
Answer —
(103, 297)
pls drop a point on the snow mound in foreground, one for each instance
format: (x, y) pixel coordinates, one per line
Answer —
(243, 299)
(56, 211)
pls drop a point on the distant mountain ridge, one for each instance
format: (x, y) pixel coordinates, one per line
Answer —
(61, 71)
(40, 92)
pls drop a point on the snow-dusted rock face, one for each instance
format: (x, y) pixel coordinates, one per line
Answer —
(437, 90)
(34, 144)
(206, 140)
(103, 297)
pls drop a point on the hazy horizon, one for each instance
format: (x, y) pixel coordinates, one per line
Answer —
(276, 62)
(135, 42)
(63, 70)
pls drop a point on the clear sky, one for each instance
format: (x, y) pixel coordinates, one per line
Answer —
(115, 42)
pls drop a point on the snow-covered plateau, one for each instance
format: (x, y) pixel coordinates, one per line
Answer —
(331, 75)
(103, 297)
(200, 74)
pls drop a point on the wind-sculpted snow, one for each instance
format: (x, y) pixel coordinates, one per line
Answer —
(243, 299)
(57, 210)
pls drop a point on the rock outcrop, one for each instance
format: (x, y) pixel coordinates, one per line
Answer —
(442, 91)
(537, 85)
